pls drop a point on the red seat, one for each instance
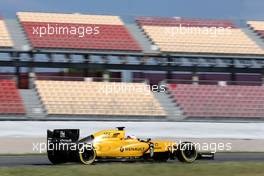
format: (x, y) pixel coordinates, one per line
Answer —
(111, 37)
(219, 101)
(10, 100)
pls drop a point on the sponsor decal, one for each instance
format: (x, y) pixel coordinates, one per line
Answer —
(130, 149)
(62, 134)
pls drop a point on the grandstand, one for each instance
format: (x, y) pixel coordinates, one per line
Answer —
(166, 35)
(146, 49)
(5, 40)
(110, 35)
(218, 101)
(10, 99)
(94, 98)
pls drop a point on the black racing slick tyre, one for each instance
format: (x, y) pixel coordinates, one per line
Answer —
(87, 156)
(55, 157)
(187, 152)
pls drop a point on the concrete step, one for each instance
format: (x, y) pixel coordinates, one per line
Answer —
(254, 36)
(33, 106)
(17, 34)
(173, 111)
(141, 38)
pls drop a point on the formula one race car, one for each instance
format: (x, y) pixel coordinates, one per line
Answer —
(64, 146)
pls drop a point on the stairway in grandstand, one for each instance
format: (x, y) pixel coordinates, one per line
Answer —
(254, 36)
(173, 112)
(32, 104)
(17, 35)
(141, 38)
(254, 30)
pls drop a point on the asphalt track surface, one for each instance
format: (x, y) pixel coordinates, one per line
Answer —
(42, 160)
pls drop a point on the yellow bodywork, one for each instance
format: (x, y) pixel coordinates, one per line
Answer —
(114, 143)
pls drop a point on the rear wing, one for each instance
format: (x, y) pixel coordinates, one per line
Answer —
(59, 145)
(63, 135)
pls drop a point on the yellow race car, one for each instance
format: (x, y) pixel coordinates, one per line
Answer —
(64, 146)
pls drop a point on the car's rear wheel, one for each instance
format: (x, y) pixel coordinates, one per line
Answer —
(87, 156)
(55, 157)
(187, 152)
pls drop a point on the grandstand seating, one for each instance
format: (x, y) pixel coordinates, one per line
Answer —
(10, 100)
(231, 101)
(159, 21)
(166, 34)
(90, 98)
(5, 40)
(257, 26)
(113, 35)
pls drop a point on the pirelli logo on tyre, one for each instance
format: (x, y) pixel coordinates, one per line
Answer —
(129, 149)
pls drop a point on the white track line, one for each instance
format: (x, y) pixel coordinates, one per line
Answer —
(140, 129)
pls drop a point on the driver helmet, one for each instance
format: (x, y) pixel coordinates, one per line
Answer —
(131, 137)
